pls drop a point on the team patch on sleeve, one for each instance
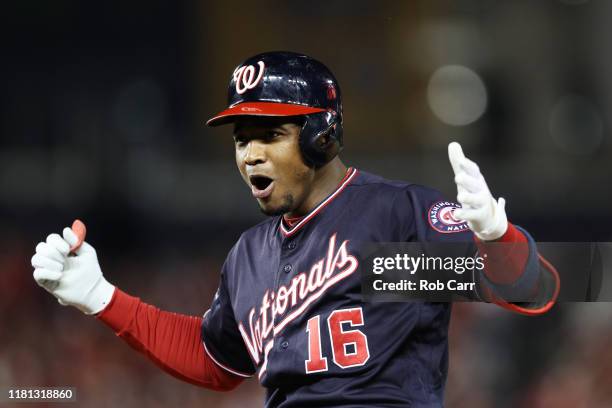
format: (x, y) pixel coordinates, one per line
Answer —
(441, 218)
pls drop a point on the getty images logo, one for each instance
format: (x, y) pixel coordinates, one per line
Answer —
(246, 78)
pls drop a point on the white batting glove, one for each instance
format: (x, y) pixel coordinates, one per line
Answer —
(485, 216)
(75, 280)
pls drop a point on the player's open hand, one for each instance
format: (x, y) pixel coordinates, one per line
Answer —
(68, 268)
(485, 216)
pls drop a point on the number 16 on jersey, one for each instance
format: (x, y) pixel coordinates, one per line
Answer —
(349, 347)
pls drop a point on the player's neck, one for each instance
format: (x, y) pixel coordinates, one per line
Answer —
(327, 179)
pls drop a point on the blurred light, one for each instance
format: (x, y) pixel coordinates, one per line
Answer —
(456, 95)
(576, 125)
(140, 110)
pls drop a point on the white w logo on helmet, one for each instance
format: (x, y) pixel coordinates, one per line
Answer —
(245, 77)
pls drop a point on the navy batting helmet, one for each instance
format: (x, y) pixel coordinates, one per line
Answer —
(289, 84)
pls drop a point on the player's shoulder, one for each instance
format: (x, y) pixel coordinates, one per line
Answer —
(366, 179)
(417, 211)
(260, 230)
(373, 183)
(257, 235)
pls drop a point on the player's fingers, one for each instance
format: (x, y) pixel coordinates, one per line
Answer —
(70, 237)
(467, 214)
(501, 202)
(41, 275)
(84, 248)
(50, 252)
(58, 243)
(470, 167)
(75, 235)
(41, 261)
(468, 182)
(474, 201)
(455, 156)
(458, 214)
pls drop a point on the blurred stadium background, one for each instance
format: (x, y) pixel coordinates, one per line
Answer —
(102, 114)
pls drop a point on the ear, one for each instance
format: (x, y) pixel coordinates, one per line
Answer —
(321, 138)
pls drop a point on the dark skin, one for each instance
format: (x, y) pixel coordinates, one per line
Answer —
(268, 149)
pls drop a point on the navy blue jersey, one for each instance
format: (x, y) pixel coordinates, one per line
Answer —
(289, 307)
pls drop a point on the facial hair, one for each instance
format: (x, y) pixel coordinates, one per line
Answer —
(283, 209)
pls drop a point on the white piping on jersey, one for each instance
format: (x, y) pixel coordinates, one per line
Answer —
(288, 232)
(226, 368)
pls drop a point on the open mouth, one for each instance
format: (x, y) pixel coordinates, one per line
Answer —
(261, 186)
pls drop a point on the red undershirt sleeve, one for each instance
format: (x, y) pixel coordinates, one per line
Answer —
(171, 340)
(505, 263)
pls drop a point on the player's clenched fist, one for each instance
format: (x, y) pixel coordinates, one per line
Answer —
(485, 216)
(68, 268)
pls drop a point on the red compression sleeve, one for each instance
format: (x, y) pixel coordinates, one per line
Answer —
(505, 263)
(171, 340)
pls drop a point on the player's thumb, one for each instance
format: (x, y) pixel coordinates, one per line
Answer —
(75, 241)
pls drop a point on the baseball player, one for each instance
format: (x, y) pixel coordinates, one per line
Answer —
(288, 308)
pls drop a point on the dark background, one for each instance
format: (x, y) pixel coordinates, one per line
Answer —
(102, 117)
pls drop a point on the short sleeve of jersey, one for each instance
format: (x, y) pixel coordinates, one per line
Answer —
(221, 336)
(429, 219)
(426, 215)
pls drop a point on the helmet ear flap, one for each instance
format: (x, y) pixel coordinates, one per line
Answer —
(321, 138)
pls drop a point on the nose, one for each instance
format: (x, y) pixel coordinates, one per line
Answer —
(255, 153)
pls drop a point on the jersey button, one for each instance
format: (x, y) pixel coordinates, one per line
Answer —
(287, 268)
(292, 245)
(284, 345)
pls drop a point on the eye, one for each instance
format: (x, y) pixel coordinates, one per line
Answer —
(240, 140)
(273, 134)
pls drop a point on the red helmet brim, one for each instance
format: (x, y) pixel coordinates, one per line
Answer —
(260, 109)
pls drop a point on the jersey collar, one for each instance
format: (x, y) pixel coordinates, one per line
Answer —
(287, 232)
